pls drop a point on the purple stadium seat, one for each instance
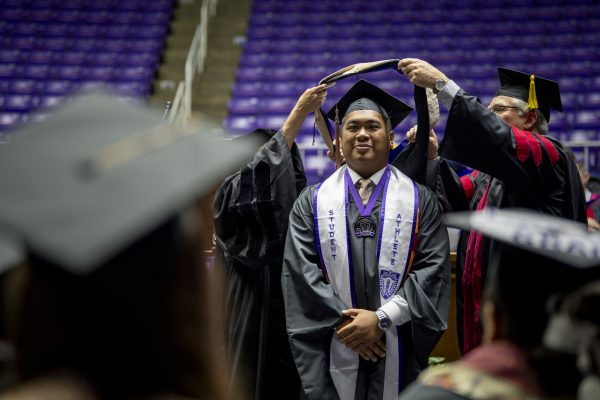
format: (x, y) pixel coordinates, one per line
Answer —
(548, 55)
(591, 101)
(582, 135)
(567, 26)
(8, 70)
(138, 73)
(70, 72)
(272, 121)
(554, 39)
(241, 123)
(146, 32)
(590, 38)
(570, 100)
(99, 73)
(559, 123)
(587, 119)
(99, 17)
(10, 56)
(18, 103)
(102, 58)
(571, 84)
(145, 45)
(52, 43)
(285, 89)
(107, 45)
(41, 57)
(21, 86)
(45, 102)
(73, 57)
(124, 17)
(37, 71)
(117, 32)
(10, 119)
(147, 60)
(58, 88)
(252, 74)
(21, 42)
(135, 89)
(249, 89)
(533, 41)
(547, 70)
(244, 106)
(579, 68)
(290, 59)
(277, 105)
(254, 59)
(60, 30)
(583, 53)
(11, 14)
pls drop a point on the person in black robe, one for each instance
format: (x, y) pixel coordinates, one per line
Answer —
(250, 211)
(316, 313)
(515, 165)
(534, 332)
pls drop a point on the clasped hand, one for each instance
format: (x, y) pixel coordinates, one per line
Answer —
(361, 334)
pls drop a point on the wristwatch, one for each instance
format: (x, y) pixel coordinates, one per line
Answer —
(439, 85)
(384, 321)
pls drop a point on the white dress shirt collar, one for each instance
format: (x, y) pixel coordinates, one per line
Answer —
(376, 177)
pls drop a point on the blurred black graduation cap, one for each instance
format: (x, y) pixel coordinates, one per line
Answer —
(566, 241)
(539, 93)
(536, 257)
(98, 175)
(366, 96)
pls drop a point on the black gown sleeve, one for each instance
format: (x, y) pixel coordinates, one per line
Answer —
(538, 167)
(311, 307)
(251, 207)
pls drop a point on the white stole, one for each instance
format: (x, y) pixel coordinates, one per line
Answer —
(397, 227)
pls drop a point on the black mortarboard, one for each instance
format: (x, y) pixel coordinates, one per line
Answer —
(95, 177)
(536, 257)
(366, 96)
(538, 93)
(566, 241)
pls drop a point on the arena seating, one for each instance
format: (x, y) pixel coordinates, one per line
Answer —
(291, 45)
(51, 48)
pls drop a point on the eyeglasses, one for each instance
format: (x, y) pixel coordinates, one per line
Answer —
(499, 108)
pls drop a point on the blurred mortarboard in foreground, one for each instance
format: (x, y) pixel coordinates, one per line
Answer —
(566, 241)
(536, 257)
(93, 178)
(539, 93)
(366, 96)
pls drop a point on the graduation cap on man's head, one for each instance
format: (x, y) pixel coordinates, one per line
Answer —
(366, 96)
(92, 179)
(539, 93)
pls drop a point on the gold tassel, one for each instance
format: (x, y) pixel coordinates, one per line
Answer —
(532, 104)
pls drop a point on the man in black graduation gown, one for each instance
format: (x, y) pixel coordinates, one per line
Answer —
(516, 165)
(250, 211)
(366, 291)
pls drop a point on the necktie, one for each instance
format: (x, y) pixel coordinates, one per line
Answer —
(365, 188)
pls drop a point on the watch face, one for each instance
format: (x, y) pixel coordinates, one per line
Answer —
(386, 323)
